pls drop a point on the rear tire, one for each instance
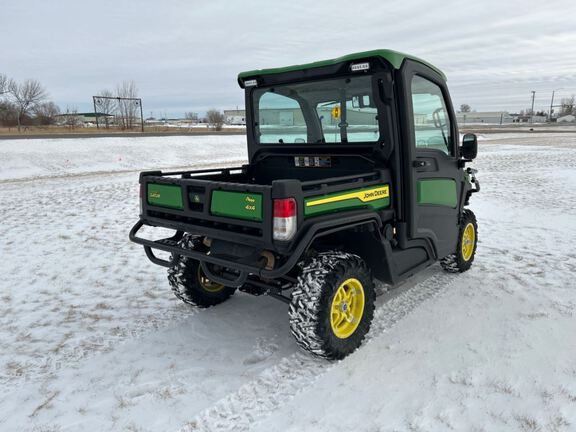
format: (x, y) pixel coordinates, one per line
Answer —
(462, 259)
(332, 305)
(190, 284)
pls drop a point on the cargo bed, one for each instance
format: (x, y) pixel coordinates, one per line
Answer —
(220, 201)
(229, 205)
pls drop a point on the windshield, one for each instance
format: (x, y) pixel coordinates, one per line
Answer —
(328, 111)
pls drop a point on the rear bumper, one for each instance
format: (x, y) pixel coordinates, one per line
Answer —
(171, 245)
(320, 228)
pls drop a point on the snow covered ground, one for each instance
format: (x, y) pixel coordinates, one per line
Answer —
(92, 339)
(25, 159)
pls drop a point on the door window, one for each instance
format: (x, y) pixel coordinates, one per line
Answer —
(432, 129)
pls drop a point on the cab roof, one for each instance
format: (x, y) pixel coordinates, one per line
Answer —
(395, 58)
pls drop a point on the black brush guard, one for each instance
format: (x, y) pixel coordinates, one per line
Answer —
(242, 268)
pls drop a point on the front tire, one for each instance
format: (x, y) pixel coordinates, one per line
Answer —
(461, 260)
(190, 284)
(332, 305)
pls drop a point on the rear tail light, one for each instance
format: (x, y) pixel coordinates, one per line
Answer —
(285, 218)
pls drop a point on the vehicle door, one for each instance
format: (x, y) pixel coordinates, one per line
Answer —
(434, 178)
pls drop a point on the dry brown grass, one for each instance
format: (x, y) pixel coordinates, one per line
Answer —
(92, 131)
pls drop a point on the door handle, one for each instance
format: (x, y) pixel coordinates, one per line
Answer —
(420, 164)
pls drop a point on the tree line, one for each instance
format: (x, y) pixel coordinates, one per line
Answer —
(26, 103)
(567, 106)
(214, 118)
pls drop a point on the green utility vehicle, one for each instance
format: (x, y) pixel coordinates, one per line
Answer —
(355, 173)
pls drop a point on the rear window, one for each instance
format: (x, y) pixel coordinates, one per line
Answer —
(327, 111)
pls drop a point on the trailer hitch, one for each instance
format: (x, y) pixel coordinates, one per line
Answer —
(236, 280)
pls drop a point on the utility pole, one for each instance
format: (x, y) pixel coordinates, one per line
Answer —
(552, 104)
(532, 109)
(141, 114)
(95, 112)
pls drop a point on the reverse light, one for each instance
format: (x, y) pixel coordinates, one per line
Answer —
(285, 219)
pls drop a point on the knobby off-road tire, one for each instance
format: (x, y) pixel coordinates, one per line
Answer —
(189, 283)
(311, 311)
(462, 259)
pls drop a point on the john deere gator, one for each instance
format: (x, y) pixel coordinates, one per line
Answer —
(356, 174)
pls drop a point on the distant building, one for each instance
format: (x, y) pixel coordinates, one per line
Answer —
(566, 119)
(235, 117)
(527, 118)
(489, 117)
(86, 118)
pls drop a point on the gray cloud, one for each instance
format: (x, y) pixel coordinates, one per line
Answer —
(185, 55)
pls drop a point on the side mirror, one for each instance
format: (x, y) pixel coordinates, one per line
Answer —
(469, 148)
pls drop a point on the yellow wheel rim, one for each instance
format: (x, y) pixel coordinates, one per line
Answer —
(347, 308)
(207, 284)
(468, 240)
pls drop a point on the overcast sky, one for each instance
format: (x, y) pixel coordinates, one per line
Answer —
(185, 55)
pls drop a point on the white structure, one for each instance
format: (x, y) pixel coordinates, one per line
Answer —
(235, 117)
(566, 119)
(495, 117)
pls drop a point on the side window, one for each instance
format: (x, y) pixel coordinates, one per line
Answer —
(280, 119)
(432, 127)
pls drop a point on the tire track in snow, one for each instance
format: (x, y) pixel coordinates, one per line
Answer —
(277, 385)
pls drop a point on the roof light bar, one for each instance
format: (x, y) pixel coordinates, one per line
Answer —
(359, 67)
(250, 83)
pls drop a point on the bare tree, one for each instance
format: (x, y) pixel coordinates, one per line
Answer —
(4, 84)
(128, 109)
(71, 118)
(8, 113)
(106, 106)
(465, 108)
(215, 119)
(192, 117)
(26, 95)
(46, 113)
(567, 106)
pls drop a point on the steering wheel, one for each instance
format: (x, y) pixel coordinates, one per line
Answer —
(436, 117)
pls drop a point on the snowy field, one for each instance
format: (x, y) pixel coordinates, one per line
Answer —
(92, 339)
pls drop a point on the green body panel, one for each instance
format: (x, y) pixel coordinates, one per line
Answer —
(163, 195)
(238, 205)
(438, 192)
(347, 202)
(395, 58)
